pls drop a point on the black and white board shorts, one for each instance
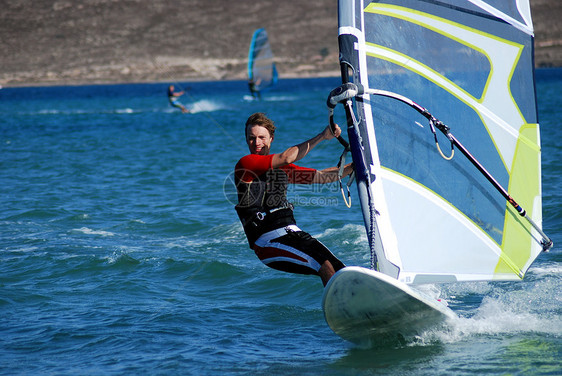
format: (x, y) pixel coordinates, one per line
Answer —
(292, 250)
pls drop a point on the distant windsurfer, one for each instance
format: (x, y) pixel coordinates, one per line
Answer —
(253, 86)
(267, 216)
(173, 98)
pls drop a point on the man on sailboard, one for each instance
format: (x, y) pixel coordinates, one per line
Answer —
(173, 99)
(253, 86)
(267, 216)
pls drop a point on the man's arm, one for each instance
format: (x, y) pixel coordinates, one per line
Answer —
(330, 174)
(298, 152)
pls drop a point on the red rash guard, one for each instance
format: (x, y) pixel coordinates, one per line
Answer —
(251, 166)
(262, 193)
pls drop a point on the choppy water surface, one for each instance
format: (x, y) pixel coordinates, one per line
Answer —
(120, 252)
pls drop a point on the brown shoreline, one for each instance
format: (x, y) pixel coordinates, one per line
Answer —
(131, 41)
(167, 82)
(157, 81)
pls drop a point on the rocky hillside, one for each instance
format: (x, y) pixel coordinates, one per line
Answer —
(64, 41)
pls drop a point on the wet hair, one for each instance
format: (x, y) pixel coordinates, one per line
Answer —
(262, 120)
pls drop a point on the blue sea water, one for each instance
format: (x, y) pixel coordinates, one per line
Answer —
(120, 251)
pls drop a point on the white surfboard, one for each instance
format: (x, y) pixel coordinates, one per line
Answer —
(362, 305)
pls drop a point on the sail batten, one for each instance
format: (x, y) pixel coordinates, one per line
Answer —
(429, 219)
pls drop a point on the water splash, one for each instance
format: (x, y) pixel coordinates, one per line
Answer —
(206, 105)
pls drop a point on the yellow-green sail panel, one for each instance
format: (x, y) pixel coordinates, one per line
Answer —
(519, 246)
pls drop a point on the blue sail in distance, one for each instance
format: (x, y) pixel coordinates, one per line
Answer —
(261, 67)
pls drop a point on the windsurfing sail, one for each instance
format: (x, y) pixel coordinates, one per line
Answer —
(262, 72)
(432, 216)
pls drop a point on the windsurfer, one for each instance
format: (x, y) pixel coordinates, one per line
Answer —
(173, 98)
(267, 216)
(252, 85)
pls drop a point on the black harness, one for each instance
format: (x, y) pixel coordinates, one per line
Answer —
(263, 205)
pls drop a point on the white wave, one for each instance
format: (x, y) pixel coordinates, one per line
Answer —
(430, 290)
(114, 257)
(280, 98)
(89, 231)
(205, 105)
(124, 111)
(494, 318)
(271, 98)
(464, 288)
(349, 242)
(544, 270)
(49, 112)
(509, 313)
(22, 249)
(506, 309)
(232, 233)
(495, 322)
(354, 231)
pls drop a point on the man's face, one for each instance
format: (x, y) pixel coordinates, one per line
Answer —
(258, 139)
